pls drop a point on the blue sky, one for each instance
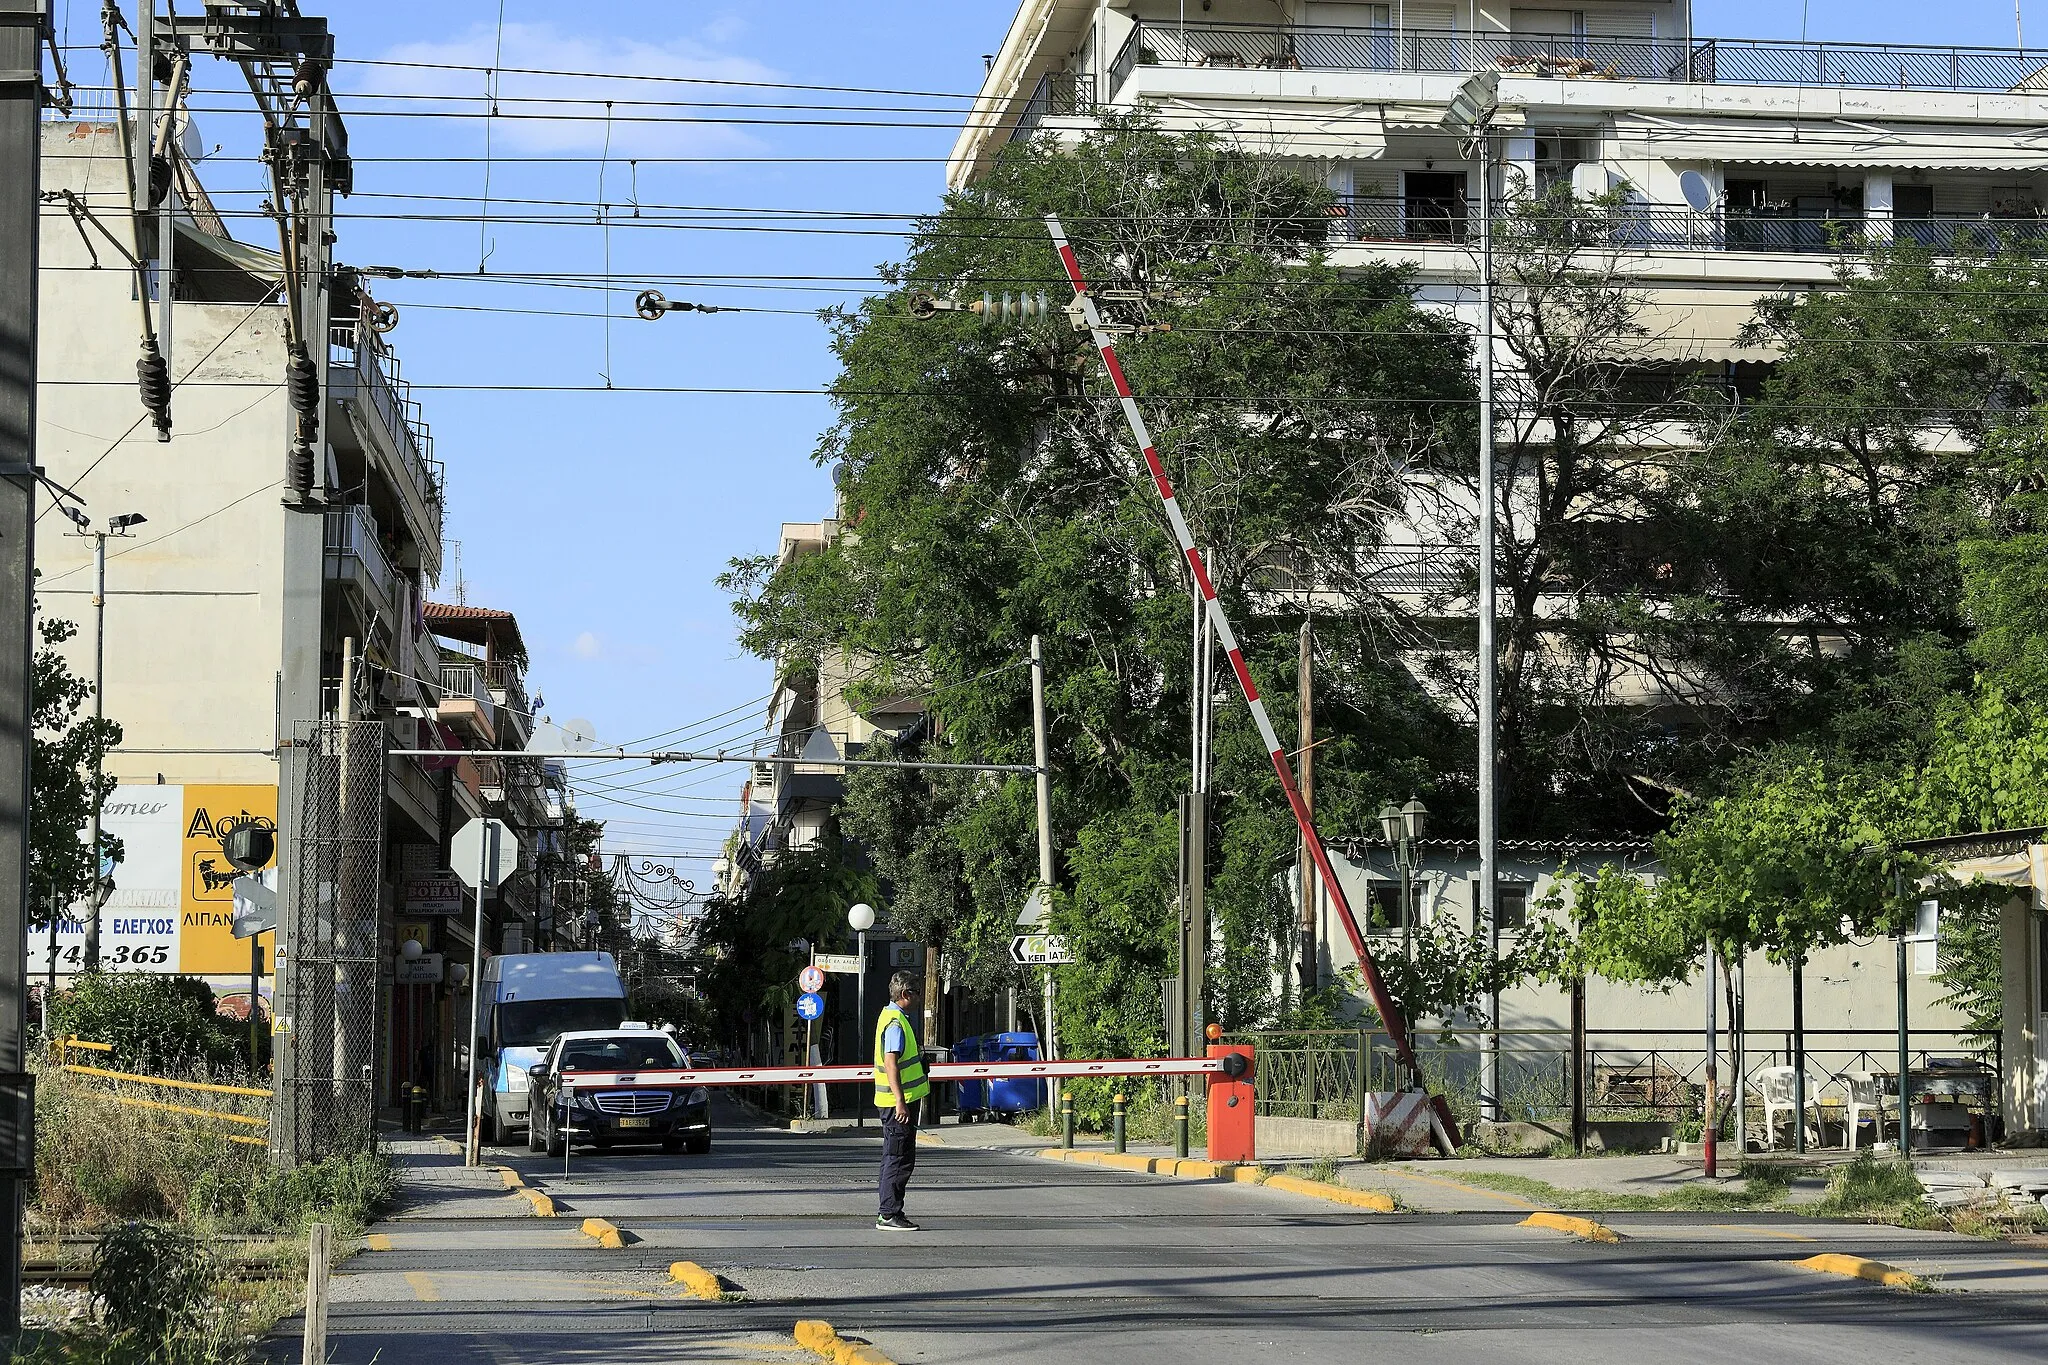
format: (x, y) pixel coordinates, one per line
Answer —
(602, 519)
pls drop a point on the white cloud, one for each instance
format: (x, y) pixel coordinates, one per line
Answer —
(578, 126)
(588, 646)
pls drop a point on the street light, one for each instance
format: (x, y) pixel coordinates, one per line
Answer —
(116, 526)
(1403, 827)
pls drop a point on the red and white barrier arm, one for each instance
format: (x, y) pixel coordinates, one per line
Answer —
(939, 1071)
(1221, 623)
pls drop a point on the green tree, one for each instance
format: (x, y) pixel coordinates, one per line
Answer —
(66, 749)
(989, 493)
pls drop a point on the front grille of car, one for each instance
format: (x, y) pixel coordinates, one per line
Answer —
(632, 1101)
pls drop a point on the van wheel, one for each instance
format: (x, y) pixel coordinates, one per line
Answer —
(501, 1131)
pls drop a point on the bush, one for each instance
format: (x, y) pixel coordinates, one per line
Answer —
(165, 1025)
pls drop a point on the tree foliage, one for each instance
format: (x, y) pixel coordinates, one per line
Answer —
(66, 748)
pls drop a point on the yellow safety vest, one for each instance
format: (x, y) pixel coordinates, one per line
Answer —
(909, 1064)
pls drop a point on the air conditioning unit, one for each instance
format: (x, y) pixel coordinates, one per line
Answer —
(405, 731)
(764, 777)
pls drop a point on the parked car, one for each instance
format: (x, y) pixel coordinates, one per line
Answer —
(624, 1109)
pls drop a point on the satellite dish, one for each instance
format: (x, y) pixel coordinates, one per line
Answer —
(573, 736)
(1696, 190)
(579, 733)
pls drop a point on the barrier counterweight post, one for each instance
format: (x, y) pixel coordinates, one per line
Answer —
(1066, 1118)
(1220, 622)
(1117, 1114)
(1180, 1125)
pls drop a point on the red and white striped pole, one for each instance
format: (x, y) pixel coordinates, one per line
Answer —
(1391, 1017)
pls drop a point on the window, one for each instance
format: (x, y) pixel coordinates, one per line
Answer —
(1433, 205)
(1510, 906)
(535, 1023)
(1925, 938)
(633, 1052)
(1386, 906)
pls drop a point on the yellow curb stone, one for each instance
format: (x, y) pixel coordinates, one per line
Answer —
(701, 1283)
(1861, 1268)
(606, 1232)
(1578, 1227)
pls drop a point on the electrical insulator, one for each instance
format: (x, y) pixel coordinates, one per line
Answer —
(154, 376)
(159, 179)
(299, 467)
(302, 381)
(1018, 308)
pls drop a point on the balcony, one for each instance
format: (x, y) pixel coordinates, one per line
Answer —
(365, 371)
(1060, 94)
(355, 556)
(507, 688)
(466, 700)
(1677, 227)
(1707, 61)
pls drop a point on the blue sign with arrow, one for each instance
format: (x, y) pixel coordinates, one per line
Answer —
(810, 1005)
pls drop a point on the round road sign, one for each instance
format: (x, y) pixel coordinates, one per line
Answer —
(810, 1005)
(811, 979)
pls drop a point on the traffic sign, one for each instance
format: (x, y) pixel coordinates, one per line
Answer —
(811, 979)
(810, 1005)
(1040, 950)
(469, 854)
(838, 962)
(255, 904)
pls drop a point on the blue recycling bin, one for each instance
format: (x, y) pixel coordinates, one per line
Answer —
(1012, 1094)
(970, 1097)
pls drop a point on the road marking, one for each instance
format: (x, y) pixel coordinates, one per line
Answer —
(1462, 1189)
(701, 1283)
(1766, 1232)
(422, 1286)
(377, 1241)
(1578, 1227)
(1861, 1268)
(820, 1339)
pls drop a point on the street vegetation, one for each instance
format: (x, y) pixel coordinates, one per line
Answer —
(1776, 620)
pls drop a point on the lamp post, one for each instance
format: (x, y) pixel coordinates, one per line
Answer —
(116, 526)
(1403, 827)
(862, 918)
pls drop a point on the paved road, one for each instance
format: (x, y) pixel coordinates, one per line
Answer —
(1025, 1260)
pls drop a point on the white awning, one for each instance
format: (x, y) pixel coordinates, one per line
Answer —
(1699, 324)
(1855, 143)
(1350, 132)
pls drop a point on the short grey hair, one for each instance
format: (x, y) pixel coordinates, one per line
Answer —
(903, 983)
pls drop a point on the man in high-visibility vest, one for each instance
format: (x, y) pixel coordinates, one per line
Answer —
(900, 1083)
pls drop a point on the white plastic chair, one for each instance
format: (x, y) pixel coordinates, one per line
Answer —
(1863, 1102)
(1779, 1096)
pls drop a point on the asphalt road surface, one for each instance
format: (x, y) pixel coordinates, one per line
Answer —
(1024, 1260)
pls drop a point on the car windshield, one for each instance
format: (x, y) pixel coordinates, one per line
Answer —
(629, 1052)
(536, 1023)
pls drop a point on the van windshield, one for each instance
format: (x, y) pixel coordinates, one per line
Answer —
(536, 1023)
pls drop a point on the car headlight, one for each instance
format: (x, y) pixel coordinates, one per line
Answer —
(583, 1099)
(517, 1080)
(698, 1096)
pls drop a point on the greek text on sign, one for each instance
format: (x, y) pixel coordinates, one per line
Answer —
(438, 892)
(838, 962)
(1040, 950)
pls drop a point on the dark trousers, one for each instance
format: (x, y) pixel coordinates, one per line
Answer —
(899, 1158)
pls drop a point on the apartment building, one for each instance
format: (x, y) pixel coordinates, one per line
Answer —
(1748, 167)
(202, 596)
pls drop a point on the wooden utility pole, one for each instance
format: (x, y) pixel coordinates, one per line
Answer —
(1305, 682)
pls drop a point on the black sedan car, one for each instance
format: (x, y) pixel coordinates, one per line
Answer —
(587, 1088)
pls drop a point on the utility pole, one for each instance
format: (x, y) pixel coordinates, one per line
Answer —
(1305, 762)
(22, 26)
(1048, 1045)
(1194, 838)
(116, 526)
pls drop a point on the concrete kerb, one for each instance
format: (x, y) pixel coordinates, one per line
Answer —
(701, 1283)
(1191, 1168)
(608, 1234)
(1863, 1268)
(543, 1205)
(820, 1339)
(1583, 1228)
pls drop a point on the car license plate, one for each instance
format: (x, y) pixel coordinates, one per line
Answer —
(636, 1123)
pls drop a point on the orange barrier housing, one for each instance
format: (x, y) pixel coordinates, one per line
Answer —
(1233, 1136)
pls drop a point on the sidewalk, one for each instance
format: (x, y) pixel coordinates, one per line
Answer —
(433, 1182)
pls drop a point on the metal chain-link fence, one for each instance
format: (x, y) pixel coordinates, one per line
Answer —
(331, 978)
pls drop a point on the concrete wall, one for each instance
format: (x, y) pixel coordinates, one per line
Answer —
(193, 634)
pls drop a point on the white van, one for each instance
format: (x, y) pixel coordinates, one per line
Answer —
(529, 1000)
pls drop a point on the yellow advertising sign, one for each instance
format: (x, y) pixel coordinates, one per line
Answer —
(207, 945)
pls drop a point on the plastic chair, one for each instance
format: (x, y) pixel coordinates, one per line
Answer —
(1863, 1102)
(1779, 1095)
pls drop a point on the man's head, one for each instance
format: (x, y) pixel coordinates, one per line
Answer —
(903, 986)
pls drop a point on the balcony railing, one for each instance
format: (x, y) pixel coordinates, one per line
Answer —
(464, 680)
(1667, 227)
(1724, 61)
(378, 376)
(508, 690)
(1060, 94)
(354, 553)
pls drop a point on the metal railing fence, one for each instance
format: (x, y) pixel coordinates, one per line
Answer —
(1580, 56)
(1058, 94)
